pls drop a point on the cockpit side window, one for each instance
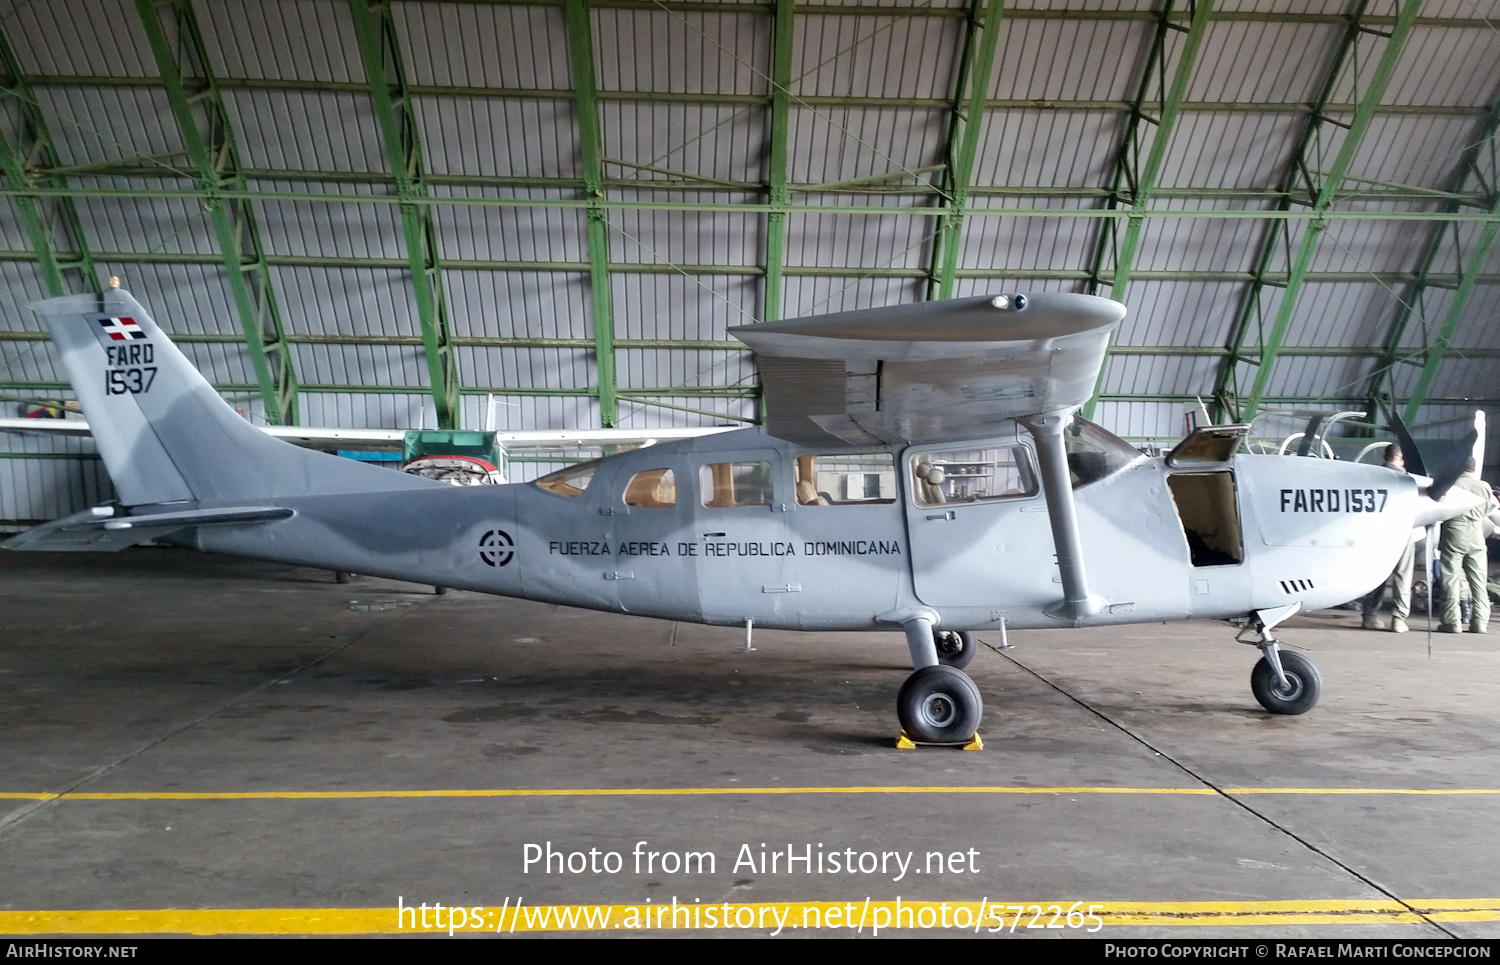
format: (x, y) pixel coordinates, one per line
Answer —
(652, 489)
(571, 481)
(846, 479)
(734, 484)
(973, 475)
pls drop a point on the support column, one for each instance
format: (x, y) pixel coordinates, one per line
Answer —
(177, 43)
(591, 143)
(380, 49)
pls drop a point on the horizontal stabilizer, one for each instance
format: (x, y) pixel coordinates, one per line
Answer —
(100, 530)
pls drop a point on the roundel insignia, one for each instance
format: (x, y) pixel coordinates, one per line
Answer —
(496, 547)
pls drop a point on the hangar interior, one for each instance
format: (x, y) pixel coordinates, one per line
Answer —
(545, 214)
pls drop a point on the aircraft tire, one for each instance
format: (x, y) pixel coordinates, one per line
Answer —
(939, 705)
(956, 648)
(1307, 685)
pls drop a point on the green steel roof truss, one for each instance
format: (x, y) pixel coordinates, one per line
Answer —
(181, 56)
(380, 49)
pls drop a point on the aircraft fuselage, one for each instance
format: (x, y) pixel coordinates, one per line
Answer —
(740, 525)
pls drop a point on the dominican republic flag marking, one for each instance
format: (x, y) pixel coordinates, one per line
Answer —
(122, 329)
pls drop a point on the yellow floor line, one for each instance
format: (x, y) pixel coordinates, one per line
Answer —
(712, 791)
(862, 914)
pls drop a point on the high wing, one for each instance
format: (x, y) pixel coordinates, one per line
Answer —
(930, 372)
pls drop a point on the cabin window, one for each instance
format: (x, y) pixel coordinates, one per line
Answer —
(1210, 516)
(653, 489)
(973, 475)
(730, 484)
(846, 479)
(571, 481)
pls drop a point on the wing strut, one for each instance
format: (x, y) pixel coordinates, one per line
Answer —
(1047, 429)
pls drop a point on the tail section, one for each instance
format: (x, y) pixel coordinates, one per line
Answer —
(165, 435)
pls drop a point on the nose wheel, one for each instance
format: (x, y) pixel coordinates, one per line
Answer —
(1285, 682)
(939, 705)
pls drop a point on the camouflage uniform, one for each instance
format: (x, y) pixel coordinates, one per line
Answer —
(1464, 560)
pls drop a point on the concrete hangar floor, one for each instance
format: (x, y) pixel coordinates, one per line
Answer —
(191, 744)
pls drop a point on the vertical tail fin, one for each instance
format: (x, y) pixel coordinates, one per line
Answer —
(165, 435)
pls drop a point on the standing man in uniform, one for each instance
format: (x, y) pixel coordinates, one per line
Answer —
(1464, 558)
(1400, 577)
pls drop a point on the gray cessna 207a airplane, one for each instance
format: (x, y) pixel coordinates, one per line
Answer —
(922, 468)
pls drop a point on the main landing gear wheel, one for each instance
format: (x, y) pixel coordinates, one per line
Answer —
(939, 705)
(955, 648)
(1302, 694)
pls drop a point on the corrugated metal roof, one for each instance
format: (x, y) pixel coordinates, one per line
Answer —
(641, 414)
(393, 366)
(1027, 244)
(97, 124)
(860, 240)
(721, 141)
(353, 230)
(519, 304)
(282, 39)
(30, 362)
(1447, 65)
(485, 45)
(639, 236)
(681, 51)
(514, 413)
(1318, 377)
(1180, 313)
(1060, 60)
(662, 368)
(173, 225)
(873, 56)
(1422, 151)
(840, 143)
(1263, 62)
(677, 306)
(1373, 246)
(33, 490)
(1036, 148)
(21, 284)
(1160, 375)
(103, 37)
(1230, 149)
(1340, 314)
(292, 130)
(346, 301)
(489, 233)
(525, 368)
(493, 137)
(368, 410)
(816, 296)
(1162, 421)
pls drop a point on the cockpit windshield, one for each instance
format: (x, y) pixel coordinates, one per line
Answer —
(571, 481)
(1094, 452)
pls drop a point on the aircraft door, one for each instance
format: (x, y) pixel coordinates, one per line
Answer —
(652, 509)
(978, 526)
(741, 548)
